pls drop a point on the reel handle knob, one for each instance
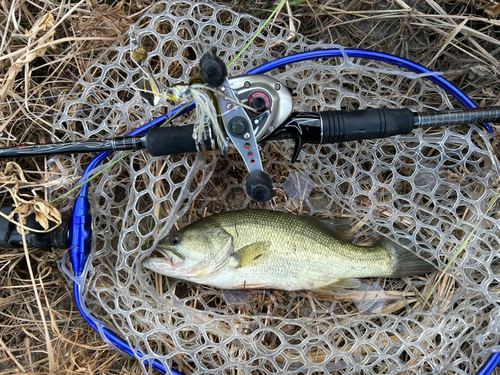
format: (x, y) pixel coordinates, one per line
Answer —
(259, 186)
(212, 69)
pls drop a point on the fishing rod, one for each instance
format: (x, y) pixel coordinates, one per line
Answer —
(265, 115)
(304, 128)
(314, 128)
(244, 129)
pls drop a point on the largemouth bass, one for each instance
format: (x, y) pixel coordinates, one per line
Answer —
(270, 249)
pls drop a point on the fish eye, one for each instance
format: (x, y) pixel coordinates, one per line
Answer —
(175, 239)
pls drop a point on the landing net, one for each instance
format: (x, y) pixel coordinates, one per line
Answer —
(430, 187)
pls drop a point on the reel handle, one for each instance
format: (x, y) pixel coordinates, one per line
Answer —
(259, 186)
(212, 69)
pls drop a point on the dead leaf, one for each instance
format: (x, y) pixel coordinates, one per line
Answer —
(44, 24)
(12, 179)
(493, 10)
(12, 174)
(488, 91)
(44, 211)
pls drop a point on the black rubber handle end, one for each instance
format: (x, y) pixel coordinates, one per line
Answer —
(259, 186)
(11, 238)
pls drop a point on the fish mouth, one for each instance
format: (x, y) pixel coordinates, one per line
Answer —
(161, 261)
(160, 258)
(161, 253)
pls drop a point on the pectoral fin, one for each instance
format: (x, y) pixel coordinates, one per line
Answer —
(341, 287)
(252, 255)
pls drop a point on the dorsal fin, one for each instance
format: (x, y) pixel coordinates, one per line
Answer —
(342, 229)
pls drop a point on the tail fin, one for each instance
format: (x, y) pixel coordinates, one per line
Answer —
(404, 262)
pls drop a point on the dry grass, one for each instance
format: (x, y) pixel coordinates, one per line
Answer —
(41, 330)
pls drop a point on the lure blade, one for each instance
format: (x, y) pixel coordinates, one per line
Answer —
(148, 88)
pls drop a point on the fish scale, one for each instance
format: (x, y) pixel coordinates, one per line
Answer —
(271, 249)
(302, 254)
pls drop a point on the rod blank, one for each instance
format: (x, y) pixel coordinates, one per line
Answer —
(77, 147)
(456, 117)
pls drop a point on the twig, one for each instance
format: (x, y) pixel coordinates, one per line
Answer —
(50, 351)
(6, 349)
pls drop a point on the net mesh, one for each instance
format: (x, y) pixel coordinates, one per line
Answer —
(431, 187)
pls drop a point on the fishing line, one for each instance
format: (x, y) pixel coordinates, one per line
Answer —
(72, 112)
(75, 112)
(75, 93)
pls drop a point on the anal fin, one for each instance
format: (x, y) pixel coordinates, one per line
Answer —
(340, 287)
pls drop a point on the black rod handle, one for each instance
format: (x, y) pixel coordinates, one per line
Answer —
(344, 126)
(174, 140)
